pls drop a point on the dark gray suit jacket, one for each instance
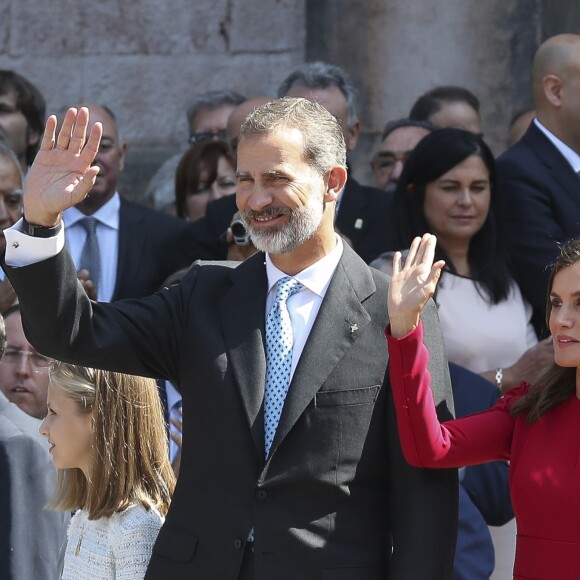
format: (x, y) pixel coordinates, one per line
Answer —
(31, 537)
(335, 495)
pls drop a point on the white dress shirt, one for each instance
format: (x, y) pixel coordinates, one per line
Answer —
(569, 154)
(108, 234)
(23, 250)
(303, 306)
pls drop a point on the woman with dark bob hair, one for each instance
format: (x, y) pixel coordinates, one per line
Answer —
(447, 187)
(534, 426)
(205, 173)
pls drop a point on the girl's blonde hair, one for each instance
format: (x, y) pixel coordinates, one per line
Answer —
(130, 462)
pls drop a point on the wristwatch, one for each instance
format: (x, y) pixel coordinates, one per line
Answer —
(38, 231)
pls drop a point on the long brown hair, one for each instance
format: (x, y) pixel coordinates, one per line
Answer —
(130, 461)
(557, 383)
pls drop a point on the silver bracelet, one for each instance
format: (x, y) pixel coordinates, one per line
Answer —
(499, 378)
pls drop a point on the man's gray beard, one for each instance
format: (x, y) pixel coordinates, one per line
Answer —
(302, 225)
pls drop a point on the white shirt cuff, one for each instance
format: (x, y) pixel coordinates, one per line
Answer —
(23, 250)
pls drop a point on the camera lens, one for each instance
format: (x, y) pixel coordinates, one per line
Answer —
(238, 229)
(241, 236)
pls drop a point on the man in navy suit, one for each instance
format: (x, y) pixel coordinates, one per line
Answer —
(538, 176)
(138, 246)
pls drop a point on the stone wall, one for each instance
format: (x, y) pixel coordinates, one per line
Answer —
(560, 16)
(396, 50)
(147, 58)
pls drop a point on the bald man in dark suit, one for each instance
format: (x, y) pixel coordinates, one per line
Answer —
(539, 175)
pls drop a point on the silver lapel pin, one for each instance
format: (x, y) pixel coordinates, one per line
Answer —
(353, 327)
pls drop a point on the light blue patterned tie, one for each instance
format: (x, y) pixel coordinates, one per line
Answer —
(279, 341)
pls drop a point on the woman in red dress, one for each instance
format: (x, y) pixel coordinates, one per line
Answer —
(535, 427)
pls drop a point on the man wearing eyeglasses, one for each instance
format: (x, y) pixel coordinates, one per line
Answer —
(23, 371)
(399, 138)
(31, 537)
(207, 117)
(122, 249)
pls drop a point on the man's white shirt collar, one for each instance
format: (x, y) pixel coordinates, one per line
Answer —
(570, 155)
(107, 215)
(316, 277)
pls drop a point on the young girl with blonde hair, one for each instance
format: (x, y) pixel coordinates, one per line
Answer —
(109, 443)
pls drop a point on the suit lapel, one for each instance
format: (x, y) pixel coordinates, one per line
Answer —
(352, 212)
(340, 319)
(243, 321)
(555, 161)
(128, 261)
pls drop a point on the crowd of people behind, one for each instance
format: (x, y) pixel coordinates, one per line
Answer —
(116, 438)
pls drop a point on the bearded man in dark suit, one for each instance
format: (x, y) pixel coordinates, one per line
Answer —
(361, 212)
(291, 466)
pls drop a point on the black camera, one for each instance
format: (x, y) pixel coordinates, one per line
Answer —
(241, 235)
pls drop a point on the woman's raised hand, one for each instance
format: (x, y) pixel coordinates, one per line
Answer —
(412, 284)
(62, 173)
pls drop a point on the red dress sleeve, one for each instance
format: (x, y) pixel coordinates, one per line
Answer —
(426, 442)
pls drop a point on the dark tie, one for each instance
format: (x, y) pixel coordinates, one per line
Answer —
(279, 343)
(91, 255)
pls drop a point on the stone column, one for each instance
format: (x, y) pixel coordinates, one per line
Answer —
(396, 50)
(146, 59)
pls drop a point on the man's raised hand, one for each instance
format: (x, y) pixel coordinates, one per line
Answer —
(412, 284)
(62, 173)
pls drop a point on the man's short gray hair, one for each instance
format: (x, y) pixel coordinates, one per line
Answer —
(212, 100)
(321, 75)
(404, 123)
(324, 145)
